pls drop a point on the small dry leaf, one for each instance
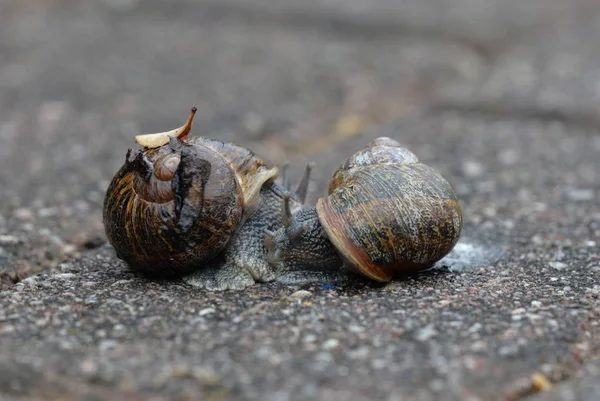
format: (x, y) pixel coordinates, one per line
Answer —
(153, 140)
(162, 138)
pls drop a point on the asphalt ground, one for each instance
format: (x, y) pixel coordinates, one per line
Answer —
(500, 96)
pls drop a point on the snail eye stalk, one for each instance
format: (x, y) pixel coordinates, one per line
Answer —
(286, 215)
(302, 190)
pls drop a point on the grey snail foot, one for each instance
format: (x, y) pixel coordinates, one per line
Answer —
(244, 262)
(297, 277)
(220, 277)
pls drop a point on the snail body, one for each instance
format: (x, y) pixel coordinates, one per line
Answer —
(385, 213)
(195, 207)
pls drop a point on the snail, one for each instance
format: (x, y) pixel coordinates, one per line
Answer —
(385, 213)
(197, 208)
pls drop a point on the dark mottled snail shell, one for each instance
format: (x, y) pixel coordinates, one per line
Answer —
(386, 212)
(175, 204)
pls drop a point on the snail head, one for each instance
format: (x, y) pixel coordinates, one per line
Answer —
(300, 244)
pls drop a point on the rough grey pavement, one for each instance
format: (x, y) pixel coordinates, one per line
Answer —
(502, 97)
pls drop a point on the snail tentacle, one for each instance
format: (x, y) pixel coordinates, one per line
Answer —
(286, 214)
(302, 190)
(285, 175)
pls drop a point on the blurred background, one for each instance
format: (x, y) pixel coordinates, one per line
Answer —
(298, 81)
(501, 96)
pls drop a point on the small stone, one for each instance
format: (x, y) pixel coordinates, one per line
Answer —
(379, 363)
(490, 212)
(68, 249)
(68, 268)
(8, 240)
(88, 366)
(122, 282)
(299, 295)
(206, 376)
(107, 344)
(426, 333)
(309, 338)
(471, 168)
(206, 311)
(48, 212)
(579, 194)
(558, 265)
(508, 350)
(24, 214)
(64, 276)
(359, 353)
(537, 239)
(508, 224)
(331, 344)
(31, 281)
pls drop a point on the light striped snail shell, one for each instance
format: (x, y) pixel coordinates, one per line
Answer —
(386, 212)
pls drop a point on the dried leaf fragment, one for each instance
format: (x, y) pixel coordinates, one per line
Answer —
(162, 138)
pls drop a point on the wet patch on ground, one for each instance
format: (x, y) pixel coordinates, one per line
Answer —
(467, 255)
